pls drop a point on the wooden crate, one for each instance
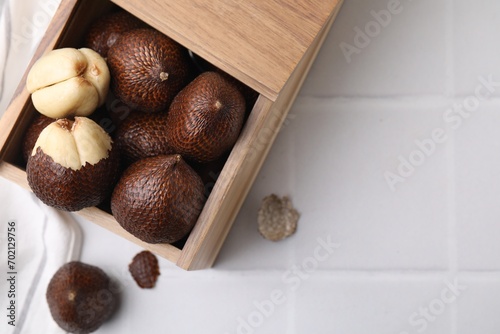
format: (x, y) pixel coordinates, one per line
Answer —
(268, 45)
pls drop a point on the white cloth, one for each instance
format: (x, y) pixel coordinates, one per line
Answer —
(45, 238)
(22, 25)
(4, 49)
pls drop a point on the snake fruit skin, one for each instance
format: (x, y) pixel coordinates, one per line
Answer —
(80, 297)
(158, 199)
(68, 176)
(142, 135)
(104, 33)
(148, 69)
(144, 269)
(205, 118)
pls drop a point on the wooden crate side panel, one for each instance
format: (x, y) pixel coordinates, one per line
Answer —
(14, 174)
(107, 221)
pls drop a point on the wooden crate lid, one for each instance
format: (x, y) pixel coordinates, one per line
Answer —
(260, 42)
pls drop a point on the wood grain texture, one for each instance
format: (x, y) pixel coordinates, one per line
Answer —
(258, 42)
(243, 165)
(107, 221)
(14, 174)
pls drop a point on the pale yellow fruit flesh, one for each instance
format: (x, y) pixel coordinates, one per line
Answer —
(56, 66)
(74, 144)
(75, 96)
(93, 143)
(97, 73)
(69, 82)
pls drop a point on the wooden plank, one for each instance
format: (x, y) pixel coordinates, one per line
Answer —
(14, 174)
(258, 42)
(243, 165)
(108, 222)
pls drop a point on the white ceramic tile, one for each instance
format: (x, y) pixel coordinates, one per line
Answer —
(210, 304)
(477, 308)
(245, 248)
(477, 170)
(331, 159)
(342, 153)
(407, 57)
(376, 305)
(216, 301)
(475, 40)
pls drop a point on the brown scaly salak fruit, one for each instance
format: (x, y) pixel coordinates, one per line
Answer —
(205, 118)
(248, 93)
(158, 199)
(34, 130)
(142, 135)
(148, 69)
(80, 297)
(117, 110)
(73, 165)
(105, 31)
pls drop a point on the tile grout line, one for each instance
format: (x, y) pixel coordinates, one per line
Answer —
(292, 309)
(428, 99)
(291, 312)
(314, 104)
(452, 228)
(450, 56)
(452, 217)
(366, 274)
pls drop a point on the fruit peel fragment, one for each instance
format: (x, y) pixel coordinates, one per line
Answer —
(277, 218)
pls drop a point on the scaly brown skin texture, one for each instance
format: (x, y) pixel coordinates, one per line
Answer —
(142, 135)
(144, 269)
(69, 190)
(148, 69)
(205, 118)
(158, 199)
(32, 134)
(80, 297)
(104, 33)
(249, 94)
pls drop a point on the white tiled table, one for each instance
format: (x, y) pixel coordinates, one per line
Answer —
(423, 257)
